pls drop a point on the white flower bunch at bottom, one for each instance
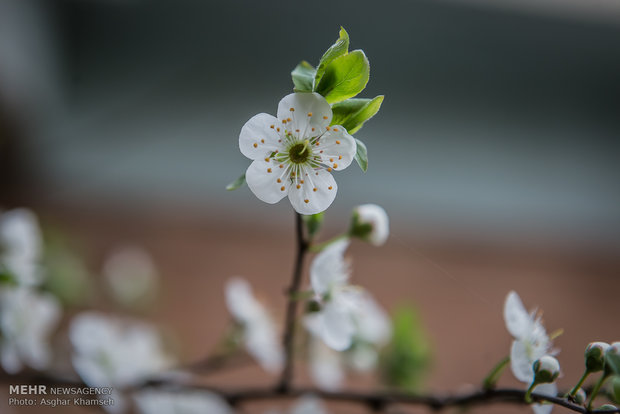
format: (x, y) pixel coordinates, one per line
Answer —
(530, 344)
(21, 246)
(151, 401)
(115, 352)
(307, 404)
(326, 367)
(27, 318)
(259, 330)
(347, 312)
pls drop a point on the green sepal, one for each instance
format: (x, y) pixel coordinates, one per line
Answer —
(352, 113)
(313, 223)
(341, 47)
(303, 77)
(6, 277)
(612, 361)
(361, 155)
(239, 182)
(344, 77)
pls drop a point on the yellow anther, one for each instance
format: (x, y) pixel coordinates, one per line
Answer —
(324, 117)
(288, 119)
(331, 160)
(279, 180)
(306, 201)
(309, 113)
(272, 126)
(338, 142)
(314, 189)
(296, 130)
(262, 141)
(255, 145)
(329, 188)
(320, 152)
(284, 121)
(282, 188)
(278, 129)
(301, 181)
(281, 166)
(329, 170)
(298, 186)
(340, 157)
(327, 128)
(335, 165)
(292, 109)
(268, 170)
(312, 129)
(267, 160)
(335, 129)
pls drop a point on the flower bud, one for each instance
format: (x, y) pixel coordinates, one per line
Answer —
(546, 369)
(370, 222)
(608, 407)
(612, 359)
(595, 356)
(580, 396)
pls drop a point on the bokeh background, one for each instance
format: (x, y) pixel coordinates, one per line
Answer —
(496, 154)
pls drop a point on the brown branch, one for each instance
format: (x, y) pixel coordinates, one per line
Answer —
(291, 310)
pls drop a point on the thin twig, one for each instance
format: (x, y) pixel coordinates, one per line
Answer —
(291, 310)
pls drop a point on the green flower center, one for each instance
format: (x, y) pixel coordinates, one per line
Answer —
(300, 152)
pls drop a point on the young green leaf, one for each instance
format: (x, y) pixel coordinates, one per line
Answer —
(344, 77)
(303, 76)
(239, 182)
(341, 47)
(361, 156)
(352, 113)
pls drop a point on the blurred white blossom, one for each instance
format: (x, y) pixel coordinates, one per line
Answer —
(530, 344)
(27, 318)
(152, 401)
(347, 312)
(306, 404)
(371, 222)
(115, 352)
(259, 330)
(325, 366)
(295, 153)
(21, 246)
(130, 274)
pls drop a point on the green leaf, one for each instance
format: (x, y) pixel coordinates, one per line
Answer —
(303, 76)
(6, 278)
(352, 113)
(344, 77)
(239, 182)
(341, 47)
(407, 358)
(361, 156)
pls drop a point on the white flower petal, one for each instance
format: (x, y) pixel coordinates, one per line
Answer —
(325, 367)
(518, 321)
(310, 110)
(373, 323)
(338, 327)
(338, 148)
(329, 269)
(521, 362)
(307, 200)
(151, 401)
(308, 405)
(262, 178)
(9, 355)
(549, 389)
(20, 234)
(257, 138)
(240, 300)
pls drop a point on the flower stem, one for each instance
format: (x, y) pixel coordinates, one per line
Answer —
(579, 384)
(315, 248)
(491, 379)
(291, 310)
(528, 393)
(596, 389)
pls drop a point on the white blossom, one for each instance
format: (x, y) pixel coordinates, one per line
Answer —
(347, 312)
(295, 153)
(115, 352)
(27, 318)
(130, 274)
(377, 218)
(530, 344)
(151, 401)
(325, 366)
(260, 332)
(21, 246)
(306, 404)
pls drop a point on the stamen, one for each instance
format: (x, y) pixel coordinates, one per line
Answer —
(313, 129)
(278, 129)
(268, 170)
(335, 129)
(330, 160)
(338, 142)
(292, 109)
(324, 117)
(314, 189)
(272, 126)
(306, 201)
(281, 166)
(298, 186)
(329, 170)
(340, 157)
(255, 145)
(301, 181)
(266, 159)
(329, 188)
(262, 141)
(284, 188)
(327, 128)
(279, 180)
(335, 165)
